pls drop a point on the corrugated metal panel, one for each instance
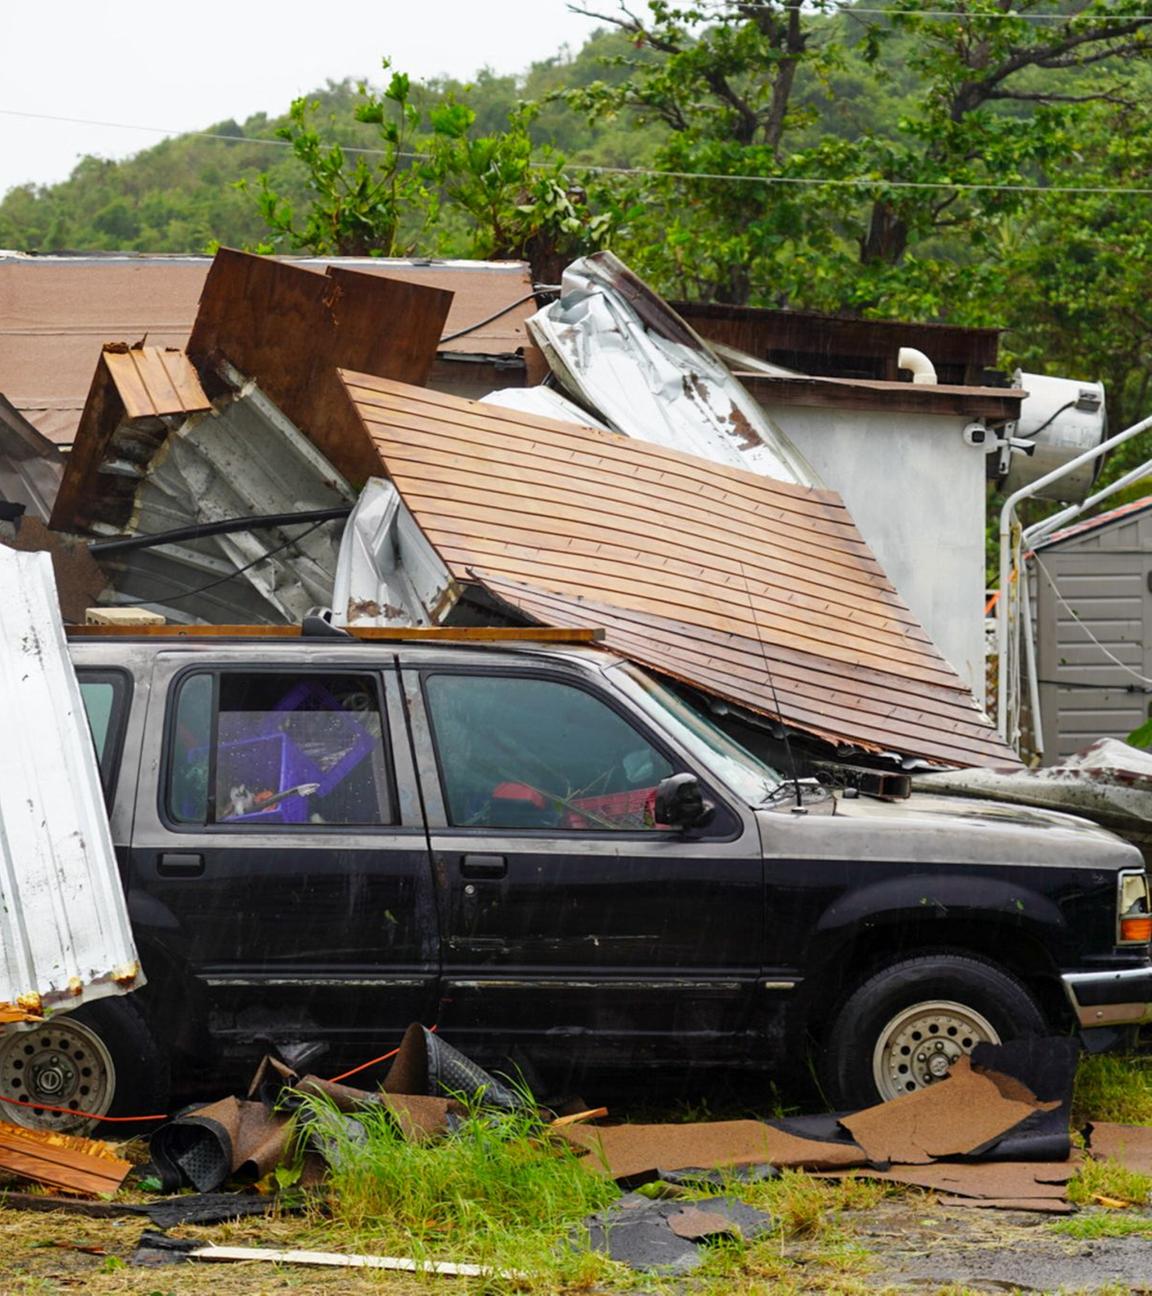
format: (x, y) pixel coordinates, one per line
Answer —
(30, 465)
(688, 565)
(244, 459)
(621, 350)
(64, 931)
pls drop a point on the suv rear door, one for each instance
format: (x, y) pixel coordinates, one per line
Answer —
(566, 911)
(279, 845)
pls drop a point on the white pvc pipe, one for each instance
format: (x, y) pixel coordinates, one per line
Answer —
(1050, 524)
(918, 365)
(1008, 508)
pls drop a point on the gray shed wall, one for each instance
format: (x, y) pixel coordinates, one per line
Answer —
(1090, 690)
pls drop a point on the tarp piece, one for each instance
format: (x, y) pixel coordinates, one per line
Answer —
(65, 937)
(659, 1236)
(755, 590)
(1041, 1185)
(621, 350)
(289, 329)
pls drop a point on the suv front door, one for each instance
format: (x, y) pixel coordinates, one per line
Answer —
(281, 856)
(569, 917)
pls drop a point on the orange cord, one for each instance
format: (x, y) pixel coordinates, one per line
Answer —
(365, 1065)
(75, 1111)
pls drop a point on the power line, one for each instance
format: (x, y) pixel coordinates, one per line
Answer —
(839, 182)
(1014, 15)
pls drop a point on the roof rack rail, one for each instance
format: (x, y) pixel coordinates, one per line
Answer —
(467, 634)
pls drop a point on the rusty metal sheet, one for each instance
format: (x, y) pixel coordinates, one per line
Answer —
(289, 329)
(65, 937)
(740, 584)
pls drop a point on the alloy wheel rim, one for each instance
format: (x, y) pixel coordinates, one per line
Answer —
(919, 1046)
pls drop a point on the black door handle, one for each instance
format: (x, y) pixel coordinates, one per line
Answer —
(483, 866)
(173, 864)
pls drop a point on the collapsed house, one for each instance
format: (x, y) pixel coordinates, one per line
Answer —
(643, 488)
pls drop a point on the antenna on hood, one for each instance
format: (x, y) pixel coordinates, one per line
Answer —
(799, 807)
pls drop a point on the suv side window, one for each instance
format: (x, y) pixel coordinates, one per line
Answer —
(105, 698)
(278, 750)
(536, 753)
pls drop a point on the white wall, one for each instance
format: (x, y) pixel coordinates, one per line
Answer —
(916, 491)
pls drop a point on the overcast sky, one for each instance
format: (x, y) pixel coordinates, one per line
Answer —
(183, 67)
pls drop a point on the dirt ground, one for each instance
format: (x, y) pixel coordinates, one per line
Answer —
(908, 1243)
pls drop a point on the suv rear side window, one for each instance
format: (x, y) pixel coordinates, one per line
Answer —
(105, 698)
(536, 753)
(278, 750)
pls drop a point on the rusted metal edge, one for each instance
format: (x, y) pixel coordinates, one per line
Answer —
(473, 634)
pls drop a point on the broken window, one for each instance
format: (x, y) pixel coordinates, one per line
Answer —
(278, 750)
(534, 753)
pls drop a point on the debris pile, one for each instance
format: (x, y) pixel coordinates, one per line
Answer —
(642, 488)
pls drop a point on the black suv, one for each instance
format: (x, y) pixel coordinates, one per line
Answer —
(556, 858)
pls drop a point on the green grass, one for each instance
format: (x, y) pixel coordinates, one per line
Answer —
(1113, 1087)
(1085, 1228)
(498, 1191)
(1109, 1179)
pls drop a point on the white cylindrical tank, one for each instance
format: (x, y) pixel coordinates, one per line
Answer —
(1063, 418)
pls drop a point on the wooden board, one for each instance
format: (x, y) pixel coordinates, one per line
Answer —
(62, 1161)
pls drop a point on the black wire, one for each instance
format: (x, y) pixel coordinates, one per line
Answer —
(451, 337)
(1051, 419)
(201, 589)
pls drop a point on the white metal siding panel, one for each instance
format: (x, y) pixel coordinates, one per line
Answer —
(65, 937)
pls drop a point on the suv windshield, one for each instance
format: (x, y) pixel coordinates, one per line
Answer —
(746, 774)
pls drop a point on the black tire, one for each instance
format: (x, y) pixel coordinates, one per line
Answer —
(899, 1016)
(65, 1063)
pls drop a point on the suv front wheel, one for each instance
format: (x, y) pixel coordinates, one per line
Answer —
(906, 1025)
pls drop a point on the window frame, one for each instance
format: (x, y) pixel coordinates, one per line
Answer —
(727, 826)
(108, 762)
(171, 705)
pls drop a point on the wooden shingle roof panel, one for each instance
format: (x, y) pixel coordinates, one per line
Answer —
(756, 590)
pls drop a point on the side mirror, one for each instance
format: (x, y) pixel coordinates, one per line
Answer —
(680, 803)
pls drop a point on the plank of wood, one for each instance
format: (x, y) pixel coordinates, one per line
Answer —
(62, 1161)
(338, 1259)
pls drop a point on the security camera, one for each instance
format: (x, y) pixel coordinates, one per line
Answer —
(976, 434)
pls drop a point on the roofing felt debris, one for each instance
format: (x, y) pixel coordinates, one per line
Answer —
(65, 937)
(759, 591)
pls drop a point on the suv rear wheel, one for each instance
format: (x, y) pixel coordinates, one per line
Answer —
(100, 1059)
(907, 1024)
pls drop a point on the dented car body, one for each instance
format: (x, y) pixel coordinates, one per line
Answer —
(558, 858)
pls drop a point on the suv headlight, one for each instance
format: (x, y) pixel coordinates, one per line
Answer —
(1133, 908)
